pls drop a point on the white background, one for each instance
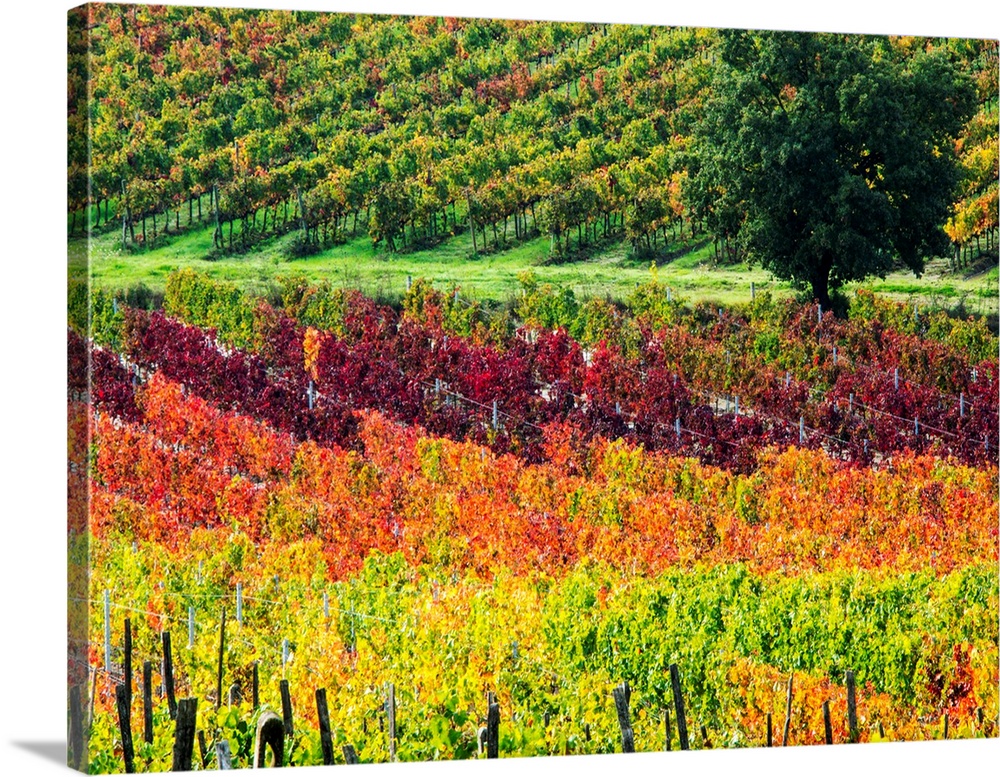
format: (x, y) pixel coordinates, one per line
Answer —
(32, 307)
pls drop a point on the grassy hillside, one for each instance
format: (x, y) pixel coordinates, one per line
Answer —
(609, 271)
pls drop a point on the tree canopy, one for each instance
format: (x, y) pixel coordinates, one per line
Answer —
(830, 158)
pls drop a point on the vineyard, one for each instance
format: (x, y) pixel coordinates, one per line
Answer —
(319, 493)
(424, 130)
(315, 524)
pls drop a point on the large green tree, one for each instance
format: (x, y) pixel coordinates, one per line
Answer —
(831, 156)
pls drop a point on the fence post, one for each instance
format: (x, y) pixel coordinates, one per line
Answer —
(350, 756)
(168, 675)
(147, 701)
(203, 749)
(187, 711)
(621, 707)
(125, 727)
(325, 738)
(390, 713)
(675, 683)
(827, 726)
(223, 755)
(788, 712)
(666, 729)
(256, 686)
(222, 649)
(127, 663)
(270, 734)
(770, 731)
(852, 708)
(493, 730)
(286, 708)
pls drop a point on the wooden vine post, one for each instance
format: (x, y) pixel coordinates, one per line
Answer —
(222, 650)
(621, 695)
(187, 713)
(325, 736)
(125, 727)
(203, 749)
(223, 755)
(788, 712)
(127, 664)
(147, 701)
(852, 708)
(493, 728)
(827, 725)
(675, 683)
(286, 709)
(255, 687)
(390, 713)
(168, 675)
(270, 736)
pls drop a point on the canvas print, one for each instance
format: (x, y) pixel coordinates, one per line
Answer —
(455, 388)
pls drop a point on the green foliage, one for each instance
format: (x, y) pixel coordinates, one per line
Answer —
(834, 155)
(201, 301)
(543, 305)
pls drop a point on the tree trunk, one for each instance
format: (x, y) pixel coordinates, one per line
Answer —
(820, 282)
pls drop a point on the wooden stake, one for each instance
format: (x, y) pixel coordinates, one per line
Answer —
(168, 675)
(222, 649)
(944, 726)
(350, 756)
(666, 729)
(705, 739)
(621, 707)
(675, 682)
(187, 712)
(203, 748)
(256, 686)
(125, 727)
(270, 734)
(788, 712)
(827, 725)
(223, 755)
(325, 737)
(147, 701)
(286, 708)
(127, 663)
(390, 712)
(770, 731)
(493, 731)
(852, 708)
